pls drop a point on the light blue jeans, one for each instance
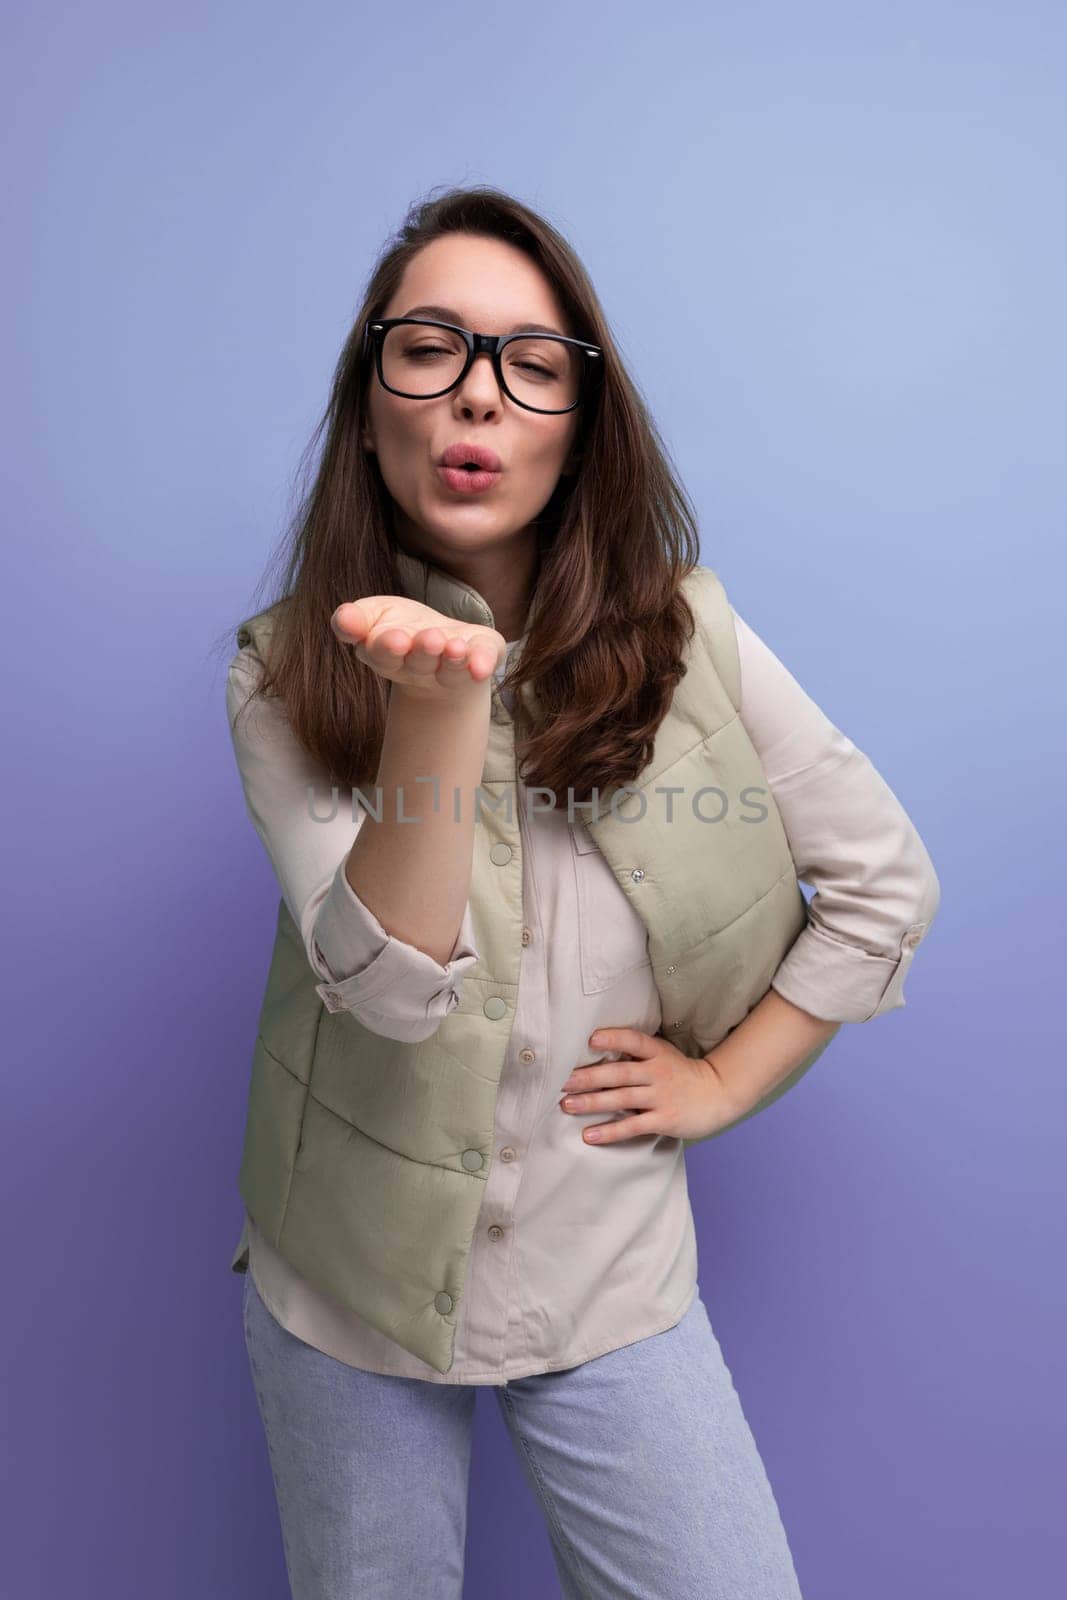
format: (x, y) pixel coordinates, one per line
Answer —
(641, 1460)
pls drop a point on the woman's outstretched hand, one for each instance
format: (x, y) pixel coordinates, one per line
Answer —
(665, 1091)
(416, 647)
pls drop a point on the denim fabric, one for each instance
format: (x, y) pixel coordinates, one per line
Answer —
(641, 1460)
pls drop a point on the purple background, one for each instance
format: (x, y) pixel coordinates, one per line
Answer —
(831, 242)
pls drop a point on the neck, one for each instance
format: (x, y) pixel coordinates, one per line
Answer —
(504, 577)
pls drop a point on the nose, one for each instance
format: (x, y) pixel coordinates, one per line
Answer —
(481, 380)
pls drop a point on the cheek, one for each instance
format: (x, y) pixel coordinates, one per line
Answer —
(545, 461)
(533, 483)
(403, 452)
(401, 427)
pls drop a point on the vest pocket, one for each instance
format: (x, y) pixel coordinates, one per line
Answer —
(612, 939)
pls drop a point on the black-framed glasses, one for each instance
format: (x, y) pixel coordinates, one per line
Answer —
(421, 359)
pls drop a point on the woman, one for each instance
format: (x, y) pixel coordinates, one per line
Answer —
(486, 1042)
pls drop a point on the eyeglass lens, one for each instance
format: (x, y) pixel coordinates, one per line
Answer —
(420, 361)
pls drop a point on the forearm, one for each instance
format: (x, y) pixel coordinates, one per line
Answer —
(766, 1047)
(415, 876)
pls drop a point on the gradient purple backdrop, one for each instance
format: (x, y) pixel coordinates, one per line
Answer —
(831, 243)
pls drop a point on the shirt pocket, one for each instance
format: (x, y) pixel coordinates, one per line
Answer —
(612, 939)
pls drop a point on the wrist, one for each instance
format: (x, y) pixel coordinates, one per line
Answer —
(455, 701)
(726, 1086)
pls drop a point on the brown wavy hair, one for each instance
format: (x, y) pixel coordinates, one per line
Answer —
(608, 627)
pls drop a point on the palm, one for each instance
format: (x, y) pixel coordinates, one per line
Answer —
(417, 647)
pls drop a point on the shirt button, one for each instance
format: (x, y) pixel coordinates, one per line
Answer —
(442, 1302)
(637, 874)
(472, 1160)
(507, 1154)
(526, 935)
(526, 1055)
(500, 854)
(670, 969)
(496, 1232)
(912, 940)
(495, 1008)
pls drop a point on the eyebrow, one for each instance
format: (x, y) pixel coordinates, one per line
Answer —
(449, 314)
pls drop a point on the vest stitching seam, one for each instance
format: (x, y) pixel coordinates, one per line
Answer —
(452, 1056)
(715, 932)
(436, 1166)
(440, 1046)
(303, 1117)
(705, 739)
(280, 1063)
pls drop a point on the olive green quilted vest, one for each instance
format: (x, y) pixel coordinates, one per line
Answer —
(365, 1158)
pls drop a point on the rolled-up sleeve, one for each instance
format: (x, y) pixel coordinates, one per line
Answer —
(390, 985)
(307, 829)
(875, 890)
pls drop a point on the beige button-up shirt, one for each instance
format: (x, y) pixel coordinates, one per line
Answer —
(578, 1249)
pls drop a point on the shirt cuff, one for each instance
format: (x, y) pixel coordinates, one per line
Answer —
(391, 986)
(842, 982)
(346, 936)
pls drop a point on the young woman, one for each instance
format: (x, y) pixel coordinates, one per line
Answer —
(486, 1042)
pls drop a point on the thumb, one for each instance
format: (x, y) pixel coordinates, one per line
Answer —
(351, 622)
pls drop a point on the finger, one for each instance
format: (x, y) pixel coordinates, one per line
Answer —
(635, 1097)
(630, 1040)
(625, 1128)
(456, 660)
(458, 654)
(425, 653)
(483, 659)
(608, 1074)
(352, 621)
(388, 647)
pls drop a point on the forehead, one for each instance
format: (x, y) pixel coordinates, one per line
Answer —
(486, 284)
